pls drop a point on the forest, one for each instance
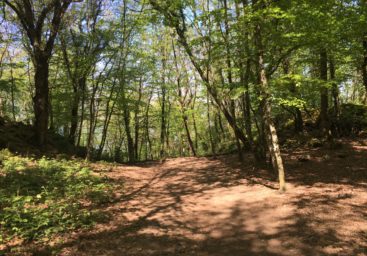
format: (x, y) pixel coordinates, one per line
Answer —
(183, 127)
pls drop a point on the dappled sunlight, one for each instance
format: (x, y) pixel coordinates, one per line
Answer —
(203, 206)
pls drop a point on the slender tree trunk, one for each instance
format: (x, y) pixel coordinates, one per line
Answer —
(195, 131)
(324, 117)
(168, 148)
(82, 115)
(220, 123)
(163, 124)
(229, 77)
(130, 141)
(52, 123)
(335, 89)
(149, 143)
(245, 53)
(136, 119)
(91, 124)
(247, 102)
(364, 68)
(188, 135)
(335, 96)
(12, 89)
(108, 114)
(270, 127)
(77, 90)
(2, 58)
(212, 144)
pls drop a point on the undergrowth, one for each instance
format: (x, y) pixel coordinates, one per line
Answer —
(40, 198)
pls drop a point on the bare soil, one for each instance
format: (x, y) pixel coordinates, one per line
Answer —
(206, 206)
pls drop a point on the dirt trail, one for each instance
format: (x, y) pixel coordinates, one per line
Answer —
(200, 206)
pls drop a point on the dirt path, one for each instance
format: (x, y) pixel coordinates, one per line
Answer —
(200, 206)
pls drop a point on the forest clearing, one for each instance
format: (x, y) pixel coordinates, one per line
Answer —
(207, 206)
(183, 127)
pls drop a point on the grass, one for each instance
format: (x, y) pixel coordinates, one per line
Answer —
(41, 198)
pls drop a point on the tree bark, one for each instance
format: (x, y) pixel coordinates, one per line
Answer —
(108, 115)
(92, 118)
(149, 143)
(364, 68)
(136, 119)
(12, 89)
(324, 99)
(212, 144)
(40, 51)
(126, 114)
(232, 103)
(163, 109)
(77, 90)
(273, 143)
(247, 102)
(188, 135)
(82, 115)
(335, 89)
(41, 97)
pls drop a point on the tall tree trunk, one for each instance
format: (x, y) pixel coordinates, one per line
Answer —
(168, 148)
(229, 76)
(136, 119)
(12, 88)
(188, 135)
(195, 131)
(364, 68)
(130, 141)
(335, 96)
(273, 143)
(41, 41)
(82, 115)
(163, 123)
(41, 97)
(335, 89)
(149, 143)
(245, 54)
(77, 90)
(108, 114)
(212, 144)
(246, 102)
(92, 112)
(324, 117)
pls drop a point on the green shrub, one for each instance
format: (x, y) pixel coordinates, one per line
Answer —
(353, 119)
(41, 197)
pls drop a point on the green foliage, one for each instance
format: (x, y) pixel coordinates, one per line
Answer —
(353, 119)
(39, 198)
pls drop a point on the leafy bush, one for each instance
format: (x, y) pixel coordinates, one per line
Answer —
(353, 119)
(42, 197)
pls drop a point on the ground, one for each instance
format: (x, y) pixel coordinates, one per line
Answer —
(206, 206)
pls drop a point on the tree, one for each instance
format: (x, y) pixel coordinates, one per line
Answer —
(41, 38)
(81, 47)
